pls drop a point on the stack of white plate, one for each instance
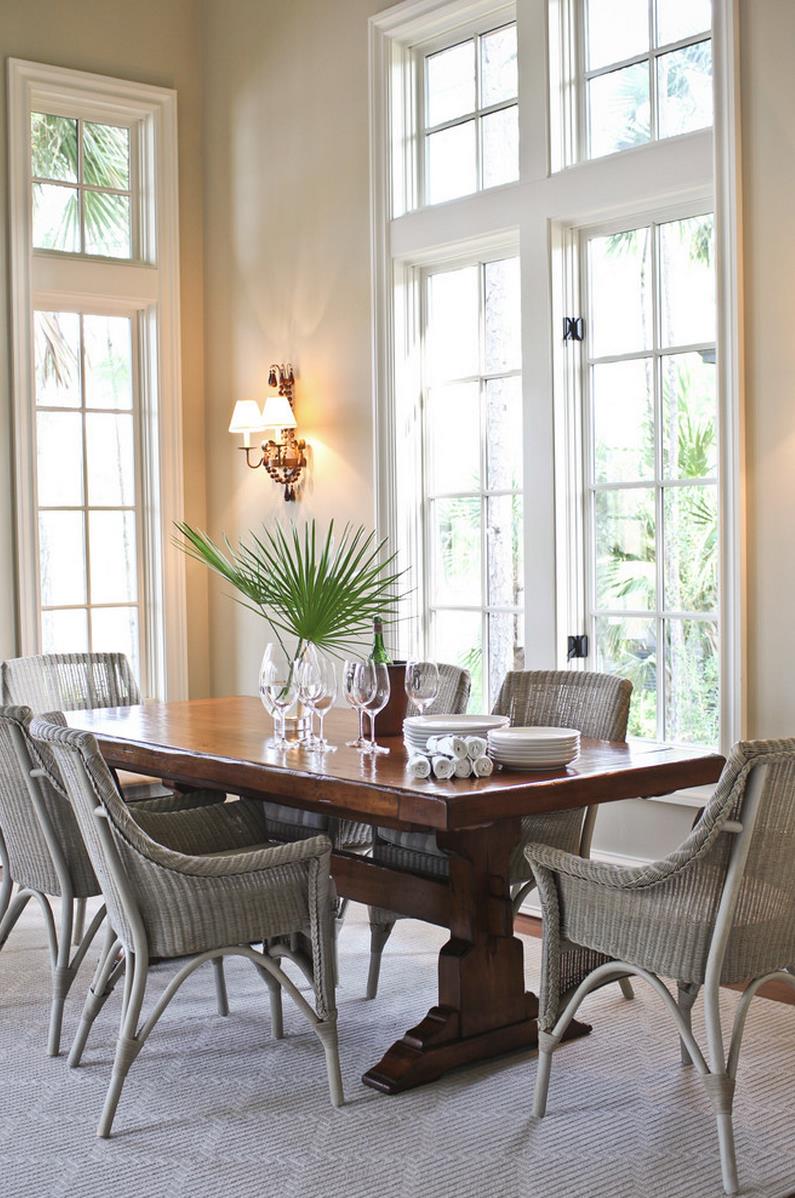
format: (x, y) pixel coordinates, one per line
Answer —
(533, 748)
(417, 728)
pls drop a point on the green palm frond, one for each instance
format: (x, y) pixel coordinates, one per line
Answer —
(323, 591)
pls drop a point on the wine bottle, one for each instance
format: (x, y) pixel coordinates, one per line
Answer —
(379, 654)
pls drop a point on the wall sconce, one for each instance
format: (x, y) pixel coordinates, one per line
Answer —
(283, 459)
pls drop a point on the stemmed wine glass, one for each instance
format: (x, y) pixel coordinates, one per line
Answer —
(351, 693)
(422, 683)
(372, 679)
(317, 690)
(278, 690)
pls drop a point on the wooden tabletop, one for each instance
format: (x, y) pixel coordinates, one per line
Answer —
(222, 743)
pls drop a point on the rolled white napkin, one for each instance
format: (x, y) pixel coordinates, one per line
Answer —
(448, 746)
(462, 768)
(482, 767)
(442, 766)
(476, 747)
(418, 766)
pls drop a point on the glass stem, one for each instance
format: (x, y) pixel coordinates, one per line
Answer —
(372, 715)
(321, 715)
(361, 723)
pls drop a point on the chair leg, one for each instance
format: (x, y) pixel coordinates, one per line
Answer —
(62, 975)
(720, 1088)
(327, 1034)
(379, 934)
(105, 977)
(79, 921)
(687, 995)
(221, 997)
(127, 1045)
(546, 1043)
(15, 908)
(626, 988)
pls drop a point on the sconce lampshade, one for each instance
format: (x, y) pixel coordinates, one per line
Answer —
(278, 413)
(247, 417)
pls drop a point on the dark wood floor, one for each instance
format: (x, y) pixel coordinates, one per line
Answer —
(529, 925)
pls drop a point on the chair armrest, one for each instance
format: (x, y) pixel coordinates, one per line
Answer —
(246, 861)
(211, 829)
(619, 877)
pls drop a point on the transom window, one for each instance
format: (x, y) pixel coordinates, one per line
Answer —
(472, 467)
(647, 71)
(87, 487)
(82, 186)
(652, 472)
(471, 117)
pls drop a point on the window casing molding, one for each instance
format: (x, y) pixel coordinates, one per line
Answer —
(146, 286)
(544, 209)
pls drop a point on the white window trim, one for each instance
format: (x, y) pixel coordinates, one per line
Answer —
(149, 285)
(545, 207)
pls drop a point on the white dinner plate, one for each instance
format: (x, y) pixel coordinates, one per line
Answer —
(533, 735)
(453, 725)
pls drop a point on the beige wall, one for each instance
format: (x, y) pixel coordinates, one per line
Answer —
(768, 104)
(287, 267)
(149, 41)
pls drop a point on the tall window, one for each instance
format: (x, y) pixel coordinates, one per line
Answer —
(652, 466)
(96, 368)
(471, 116)
(472, 453)
(648, 71)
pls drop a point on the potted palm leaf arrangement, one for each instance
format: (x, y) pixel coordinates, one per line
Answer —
(312, 590)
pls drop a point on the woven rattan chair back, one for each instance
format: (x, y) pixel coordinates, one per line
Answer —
(596, 704)
(69, 681)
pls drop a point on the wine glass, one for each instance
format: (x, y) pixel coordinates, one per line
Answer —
(278, 691)
(372, 678)
(350, 691)
(317, 690)
(422, 683)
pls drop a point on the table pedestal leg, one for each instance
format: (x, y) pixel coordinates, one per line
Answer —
(483, 1009)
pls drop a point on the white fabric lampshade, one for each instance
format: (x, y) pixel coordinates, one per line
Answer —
(278, 413)
(247, 417)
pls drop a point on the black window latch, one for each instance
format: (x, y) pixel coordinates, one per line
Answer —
(573, 328)
(578, 647)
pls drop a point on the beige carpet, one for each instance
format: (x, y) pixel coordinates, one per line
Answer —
(214, 1108)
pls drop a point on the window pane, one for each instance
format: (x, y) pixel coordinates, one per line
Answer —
(111, 463)
(618, 110)
(108, 361)
(503, 317)
(506, 648)
(621, 284)
(62, 558)
(114, 565)
(106, 155)
(690, 440)
(457, 638)
(499, 76)
(56, 218)
(451, 83)
(451, 163)
(504, 547)
(453, 324)
(59, 453)
(628, 647)
(692, 676)
(678, 19)
(684, 79)
(625, 549)
(504, 434)
(64, 631)
(107, 221)
(691, 548)
(53, 144)
(115, 630)
(455, 551)
(454, 438)
(500, 132)
(57, 359)
(615, 30)
(687, 282)
(623, 407)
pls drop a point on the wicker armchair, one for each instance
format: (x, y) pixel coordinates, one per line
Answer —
(44, 855)
(717, 910)
(196, 884)
(596, 704)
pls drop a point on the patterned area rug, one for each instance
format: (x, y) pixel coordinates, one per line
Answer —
(214, 1108)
